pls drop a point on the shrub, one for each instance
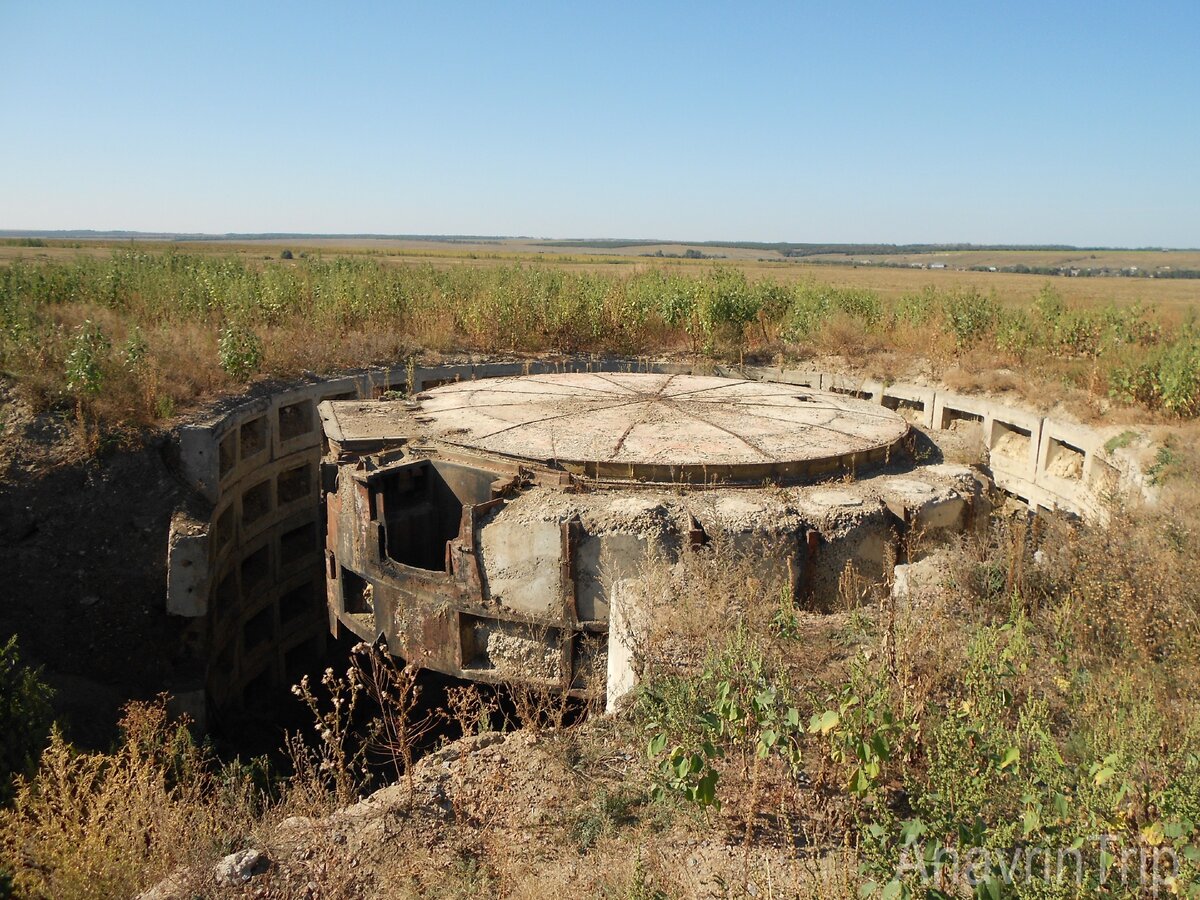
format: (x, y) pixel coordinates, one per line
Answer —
(240, 351)
(89, 347)
(25, 717)
(735, 710)
(970, 315)
(1168, 379)
(108, 824)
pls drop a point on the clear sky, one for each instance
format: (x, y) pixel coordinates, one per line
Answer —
(1014, 122)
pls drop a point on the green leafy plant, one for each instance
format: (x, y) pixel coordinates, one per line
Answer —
(240, 351)
(84, 364)
(734, 709)
(862, 735)
(25, 717)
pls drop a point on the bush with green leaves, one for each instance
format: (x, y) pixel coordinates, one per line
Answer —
(1167, 377)
(970, 315)
(25, 717)
(734, 712)
(1003, 784)
(240, 351)
(89, 349)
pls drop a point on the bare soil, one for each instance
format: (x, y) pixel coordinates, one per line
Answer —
(83, 548)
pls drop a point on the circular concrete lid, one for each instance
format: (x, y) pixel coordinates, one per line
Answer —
(662, 427)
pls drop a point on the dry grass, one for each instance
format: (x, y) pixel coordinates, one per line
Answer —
(157, 319)
(555, 809)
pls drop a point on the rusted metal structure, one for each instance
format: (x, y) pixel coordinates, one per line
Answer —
(483, 528)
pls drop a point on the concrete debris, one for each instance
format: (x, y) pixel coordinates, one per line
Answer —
(238, 868)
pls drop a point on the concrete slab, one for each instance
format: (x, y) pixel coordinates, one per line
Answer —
(640, 424)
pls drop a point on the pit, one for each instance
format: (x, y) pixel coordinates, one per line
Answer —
(491, 520)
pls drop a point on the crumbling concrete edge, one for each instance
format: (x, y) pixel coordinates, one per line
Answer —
(251, 573)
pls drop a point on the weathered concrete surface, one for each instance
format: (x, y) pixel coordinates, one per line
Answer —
(187, 567)
(925, 506)
(640, 425)
(255, 461)
(521, 565)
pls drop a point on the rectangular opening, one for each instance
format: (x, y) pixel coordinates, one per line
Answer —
(297, 543)
(259, 629)
(256, 568)
(851, 392)
(225, 528)
(295, 419)
(411, 532)
(329, 476)
(345, 395)
(254, 437)
(256, 502)
(421, 506)
(297, 603)
(227, 454)
(303, 659)
(225, 659)
(511, 649)
(959, 419)
(911, 410)
(1064, 460)
(227, 594)
(294, 484)
(259, 689)
(357, 595)
(392, 387)
(1011, 443)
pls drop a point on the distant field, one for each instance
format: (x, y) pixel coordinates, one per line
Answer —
(1172, 295)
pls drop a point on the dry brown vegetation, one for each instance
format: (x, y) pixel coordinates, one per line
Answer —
(123, 341)
(1040, 689)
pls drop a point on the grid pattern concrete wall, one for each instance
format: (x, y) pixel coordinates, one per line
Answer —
(252, 572)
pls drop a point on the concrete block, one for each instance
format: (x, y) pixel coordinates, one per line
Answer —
(798, 377)
(912, 401)
(376, 382)
(428, 377)
(497, 370)
(605, 559)
(261, 507)
(255, 503)
(294, 421)
(258, 569)
(948, 407)
(853, 386)
(521, 565)
(208, 455)
(1065, 459)
(188, 576)
(626, 633)
(299, 548)
(297, 482)
(923, 506)
(1013, 439)
(301, 601)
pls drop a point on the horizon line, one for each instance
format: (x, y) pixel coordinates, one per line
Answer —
(615, 242)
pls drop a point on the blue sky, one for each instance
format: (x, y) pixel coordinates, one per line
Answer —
(1020, 122)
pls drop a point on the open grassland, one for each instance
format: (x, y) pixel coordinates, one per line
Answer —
(889, 281)
(129, 337)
